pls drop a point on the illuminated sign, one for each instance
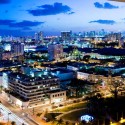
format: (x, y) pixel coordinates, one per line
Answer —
(86, 118)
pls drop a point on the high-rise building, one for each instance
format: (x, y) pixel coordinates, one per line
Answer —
(121, 43)
(39, 36)
(114, 36)
(55, 51)
(17, 48)
(0, 38)
(1, 52)
(66, 35)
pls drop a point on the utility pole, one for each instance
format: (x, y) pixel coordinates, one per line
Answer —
(8, 117)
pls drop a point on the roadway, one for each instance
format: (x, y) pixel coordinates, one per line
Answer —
(10, 116)
(17, 112)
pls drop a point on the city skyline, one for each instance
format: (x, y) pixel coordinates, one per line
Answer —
(54, 16)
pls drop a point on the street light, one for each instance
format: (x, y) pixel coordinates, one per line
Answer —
(1, 111)
(8, 116)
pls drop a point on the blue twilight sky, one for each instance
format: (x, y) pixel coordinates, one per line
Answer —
(24, 17)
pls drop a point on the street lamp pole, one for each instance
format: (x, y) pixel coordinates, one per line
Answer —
(8, 116)
(1, 111)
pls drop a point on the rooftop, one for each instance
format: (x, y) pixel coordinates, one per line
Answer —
(78, 64)
(56, 90)
(7, 63)
(28, 80)
(60, 70)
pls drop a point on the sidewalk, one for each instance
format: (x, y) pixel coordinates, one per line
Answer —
(37, 119)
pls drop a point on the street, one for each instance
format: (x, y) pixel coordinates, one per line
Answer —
(18, 113)
(8, 116)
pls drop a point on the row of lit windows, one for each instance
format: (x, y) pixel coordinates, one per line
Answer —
(57, 95)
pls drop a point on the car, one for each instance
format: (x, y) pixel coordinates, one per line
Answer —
(45, 119)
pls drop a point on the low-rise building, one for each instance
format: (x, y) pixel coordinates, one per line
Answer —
(32, 90)
(64, 75)
(57, 96)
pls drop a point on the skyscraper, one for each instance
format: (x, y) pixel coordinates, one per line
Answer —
(17, 48)
(66, 35)
(39, 36)
(55, 51)
(1, 52)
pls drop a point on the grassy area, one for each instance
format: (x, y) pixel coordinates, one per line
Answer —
(51, 116)
(56, 123)
(74, 115)
(71, 107)
(53, 121)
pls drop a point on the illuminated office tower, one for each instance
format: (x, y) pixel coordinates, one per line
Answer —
(55, 51)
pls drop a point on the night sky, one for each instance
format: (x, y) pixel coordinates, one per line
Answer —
(24, 17)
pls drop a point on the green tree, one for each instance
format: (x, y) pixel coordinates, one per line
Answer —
(86, 58)
(82, 123)
(53, 117)
(59, 122)
(66, 123)
(114, 88)
(13, 123)
(96, 105)
(78, 86)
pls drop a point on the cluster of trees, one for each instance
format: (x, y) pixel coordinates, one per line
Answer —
(78, 87)
(113, 44)
(12, 123)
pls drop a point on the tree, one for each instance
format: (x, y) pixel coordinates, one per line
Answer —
(59, 122)
(53, 117)
(114, 88)
(66, 123)
(96, 104)
(13, 123)
(86, 58)
(78, 86)
(82, 122)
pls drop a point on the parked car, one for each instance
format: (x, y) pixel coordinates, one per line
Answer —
(45, 119)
